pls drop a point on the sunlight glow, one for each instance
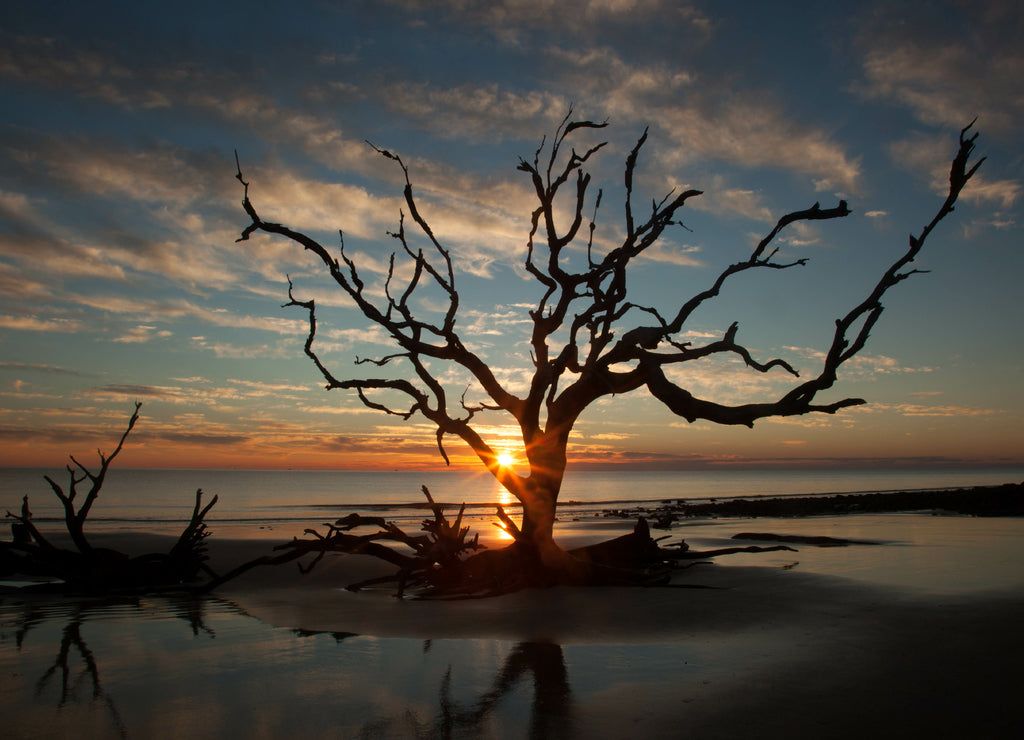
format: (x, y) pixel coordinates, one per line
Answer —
(506, 460)
(504, 499)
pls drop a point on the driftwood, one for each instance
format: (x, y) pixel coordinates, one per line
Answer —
(89, 568)
(431, 559)
(437, 568)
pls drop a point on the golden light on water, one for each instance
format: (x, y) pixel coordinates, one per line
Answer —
(504, 499)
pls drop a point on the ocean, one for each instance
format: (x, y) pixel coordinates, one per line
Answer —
(254, 501)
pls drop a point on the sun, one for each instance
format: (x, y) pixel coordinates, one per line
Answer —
(506, 460)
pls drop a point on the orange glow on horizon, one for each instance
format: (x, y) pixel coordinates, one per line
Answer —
(153, 445)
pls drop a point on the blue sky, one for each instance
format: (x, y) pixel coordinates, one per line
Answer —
(122, 281)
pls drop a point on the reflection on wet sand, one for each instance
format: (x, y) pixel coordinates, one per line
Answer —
(75, 663)
(550, 712)
(72, 638)
(47, 640)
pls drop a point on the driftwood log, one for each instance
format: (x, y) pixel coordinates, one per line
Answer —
(83, 567)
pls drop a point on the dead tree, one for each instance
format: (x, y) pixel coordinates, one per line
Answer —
(92, 568)
(75, 520)
(579, 353)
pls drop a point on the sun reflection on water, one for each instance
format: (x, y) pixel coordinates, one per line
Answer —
(504, 499)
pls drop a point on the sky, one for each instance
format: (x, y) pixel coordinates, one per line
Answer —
(122, 280)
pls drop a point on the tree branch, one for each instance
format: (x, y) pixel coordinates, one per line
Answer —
(800, 399)
(75, 520)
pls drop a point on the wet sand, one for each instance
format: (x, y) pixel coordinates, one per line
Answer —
(787, 651)
(918, 635)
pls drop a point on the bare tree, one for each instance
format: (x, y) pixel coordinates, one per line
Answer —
(580, 352)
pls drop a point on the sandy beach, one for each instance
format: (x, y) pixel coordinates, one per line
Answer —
(915, 635)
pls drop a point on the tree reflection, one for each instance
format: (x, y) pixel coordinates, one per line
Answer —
(550, 712)
(63, 682)
(72, 639)
(75, 665)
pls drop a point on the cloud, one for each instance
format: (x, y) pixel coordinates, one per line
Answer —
(166, 309)
(265, 388)
(727, 380)
(721, 199)
(39, 245)
(153, 192)
(47, 369)
(699, 123)
(682, 256)
(948, 77)
(909, 409)
(118, 390)
(930, 155)
(800, 234)
(316, 205)
(236, 351)
(483, 218)
(143, 333)
(339, 410)
(483, 112)
(514, 21)
(863, 364)
(502, 321)
(223, 95)
(757, 133)
(32, 323)
(17, 286)
(1003, 193)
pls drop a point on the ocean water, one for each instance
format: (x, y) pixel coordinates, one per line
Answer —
(250, 500)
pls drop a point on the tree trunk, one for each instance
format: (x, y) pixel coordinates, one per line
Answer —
(540, 499)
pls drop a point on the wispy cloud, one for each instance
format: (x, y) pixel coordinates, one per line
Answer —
(910, 409)
(514, 21)
(948, 74)
(30, 323)
(46, 369)
(143, 333)
(929, 156)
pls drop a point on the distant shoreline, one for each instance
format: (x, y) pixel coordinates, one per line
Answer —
(1002, 500)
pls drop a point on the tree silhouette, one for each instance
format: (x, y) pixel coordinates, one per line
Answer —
(588, 340)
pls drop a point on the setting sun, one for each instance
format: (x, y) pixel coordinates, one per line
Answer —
(505, 460)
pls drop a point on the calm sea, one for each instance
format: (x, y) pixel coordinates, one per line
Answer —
(159, 500)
